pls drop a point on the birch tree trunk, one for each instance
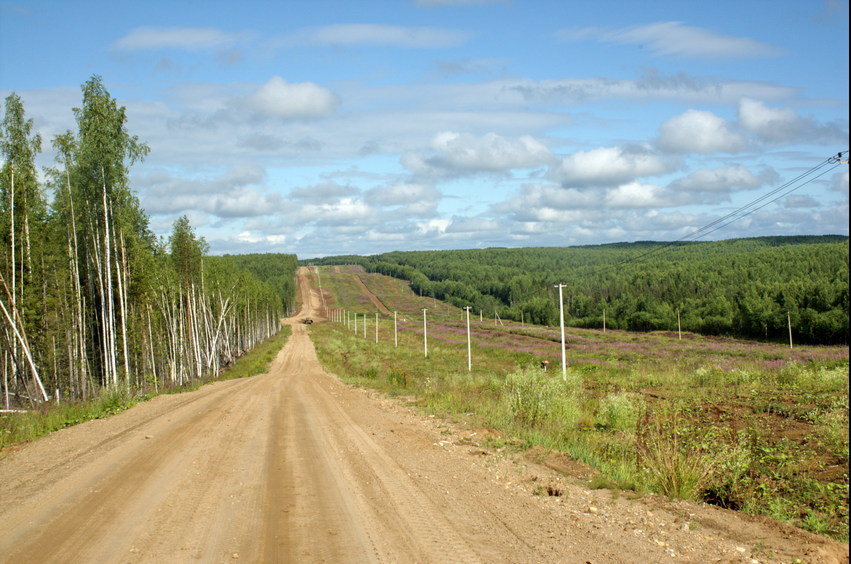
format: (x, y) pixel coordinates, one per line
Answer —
(19, 332)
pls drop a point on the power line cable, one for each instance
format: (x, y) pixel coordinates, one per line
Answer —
(766, 203)
(783, 190)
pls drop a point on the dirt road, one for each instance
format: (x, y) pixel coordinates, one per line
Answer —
(293, 466)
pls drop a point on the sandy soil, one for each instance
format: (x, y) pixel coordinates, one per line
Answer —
(293, 466)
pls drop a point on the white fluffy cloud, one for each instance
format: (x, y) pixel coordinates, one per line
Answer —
(400, 194)
(549, 196)
(759, 118)
(414, 198)
(473, 225)
(636, 195)
(236, 193)
(281, 99)
(324, 192)
(699, 131)
(607, 166)
(776, 125)
(722, 180)
(238, 202)
(551, 203)
(347, 211)
(458, 153)
(433, 226)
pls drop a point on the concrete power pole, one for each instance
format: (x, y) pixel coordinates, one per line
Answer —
(469, 353)
(561, 321)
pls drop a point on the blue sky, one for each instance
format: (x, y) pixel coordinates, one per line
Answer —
(335, 127)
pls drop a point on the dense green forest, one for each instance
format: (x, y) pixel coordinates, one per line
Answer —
(90, 298)
(276, 270)
(750, 288)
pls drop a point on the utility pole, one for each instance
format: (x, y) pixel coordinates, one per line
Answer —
(469, 353)
(395, 332)
(561, 320)
(789, 321)
(425, 335)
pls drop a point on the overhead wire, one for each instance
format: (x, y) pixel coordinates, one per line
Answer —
(783, 190)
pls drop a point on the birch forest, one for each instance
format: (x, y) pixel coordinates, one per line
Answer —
(90, 298)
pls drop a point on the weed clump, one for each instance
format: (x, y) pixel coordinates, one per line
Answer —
(673, 468)
(621, 411)
(532, 397)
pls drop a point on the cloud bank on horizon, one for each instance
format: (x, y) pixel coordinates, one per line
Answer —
(333, 127)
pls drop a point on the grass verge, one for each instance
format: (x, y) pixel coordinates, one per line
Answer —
(763, 441)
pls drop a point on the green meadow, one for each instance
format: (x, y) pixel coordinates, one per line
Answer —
(752, 426)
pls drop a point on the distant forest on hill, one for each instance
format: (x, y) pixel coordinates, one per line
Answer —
(748, 288)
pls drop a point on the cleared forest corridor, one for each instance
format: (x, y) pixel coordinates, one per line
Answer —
(293, 466)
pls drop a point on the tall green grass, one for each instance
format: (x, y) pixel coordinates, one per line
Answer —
(32, 425)
(687, 431)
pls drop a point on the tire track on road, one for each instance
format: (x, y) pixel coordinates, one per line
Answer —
(376, 301)
(396, 514)
(98, 497)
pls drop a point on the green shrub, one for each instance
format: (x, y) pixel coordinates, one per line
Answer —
(370, 372)
(791, 374)
(532, 396)
(397, 379)
(832, 427)
(621, 411)
(739, 377)
(703, 377)
(835, 378)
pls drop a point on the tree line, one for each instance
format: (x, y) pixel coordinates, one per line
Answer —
(90, 298)
(749, 288)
